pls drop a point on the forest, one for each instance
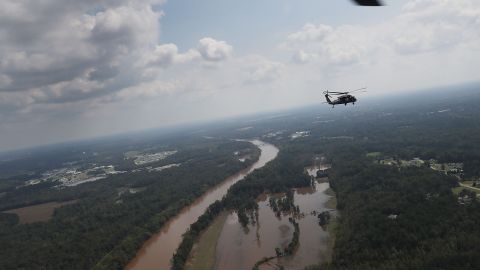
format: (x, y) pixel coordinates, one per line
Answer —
(107, 226)
(401, 219)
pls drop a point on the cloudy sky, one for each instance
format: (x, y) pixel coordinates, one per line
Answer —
(75, 69)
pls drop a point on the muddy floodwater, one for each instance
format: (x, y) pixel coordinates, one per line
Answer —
(158, 250)
(239, 249)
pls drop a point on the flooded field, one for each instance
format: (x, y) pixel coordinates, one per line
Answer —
(239, 248)
(313, 238)
(158, 250)
(38, 212)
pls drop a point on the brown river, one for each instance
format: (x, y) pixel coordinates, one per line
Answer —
(158, 250)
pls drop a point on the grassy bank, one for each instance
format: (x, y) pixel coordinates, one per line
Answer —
(202, 256)
(332, 225)
(332, 202)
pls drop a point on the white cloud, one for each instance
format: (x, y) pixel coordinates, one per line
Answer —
(46, 43)
(214, 50)
(310, 33)
(167, 54)
(81, 50)
(301, 57)
(262, 70)
(423, 26)
(428, 25)
(339, 45)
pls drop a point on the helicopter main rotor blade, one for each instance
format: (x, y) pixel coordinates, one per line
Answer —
(356, 90)
(338, 93)
(368, 2)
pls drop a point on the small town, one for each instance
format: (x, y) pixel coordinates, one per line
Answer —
(451, 168)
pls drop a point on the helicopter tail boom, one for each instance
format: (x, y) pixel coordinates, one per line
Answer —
(327, 97)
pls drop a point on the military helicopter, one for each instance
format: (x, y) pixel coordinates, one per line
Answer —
(344, 97)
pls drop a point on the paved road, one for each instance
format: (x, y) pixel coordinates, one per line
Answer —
(470, 187)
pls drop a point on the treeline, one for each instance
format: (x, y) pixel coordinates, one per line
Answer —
(323, 218)
(188, 239)
(290, 249)
(283, 204)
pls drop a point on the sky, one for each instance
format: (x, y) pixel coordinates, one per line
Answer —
(78, 69)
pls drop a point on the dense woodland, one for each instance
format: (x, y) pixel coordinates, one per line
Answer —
(401, 219)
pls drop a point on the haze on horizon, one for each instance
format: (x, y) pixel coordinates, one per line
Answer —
(78, 69)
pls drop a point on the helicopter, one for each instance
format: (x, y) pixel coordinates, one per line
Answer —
(344, 97)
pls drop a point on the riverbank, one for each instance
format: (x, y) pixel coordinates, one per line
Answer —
(332, 201)
(202, 256)
(332, 225)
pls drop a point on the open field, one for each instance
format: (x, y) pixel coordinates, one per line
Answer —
(202, 256)
(374, 154)
(468, 184)
(38, 212)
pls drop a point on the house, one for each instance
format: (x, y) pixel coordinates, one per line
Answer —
(388, 161)
(454, 168)
(416, 162)
(392, 216)
(322, 173)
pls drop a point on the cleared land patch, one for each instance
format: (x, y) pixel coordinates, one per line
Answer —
(37, 213)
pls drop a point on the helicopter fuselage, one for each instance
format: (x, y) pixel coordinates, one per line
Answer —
(343, 99)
